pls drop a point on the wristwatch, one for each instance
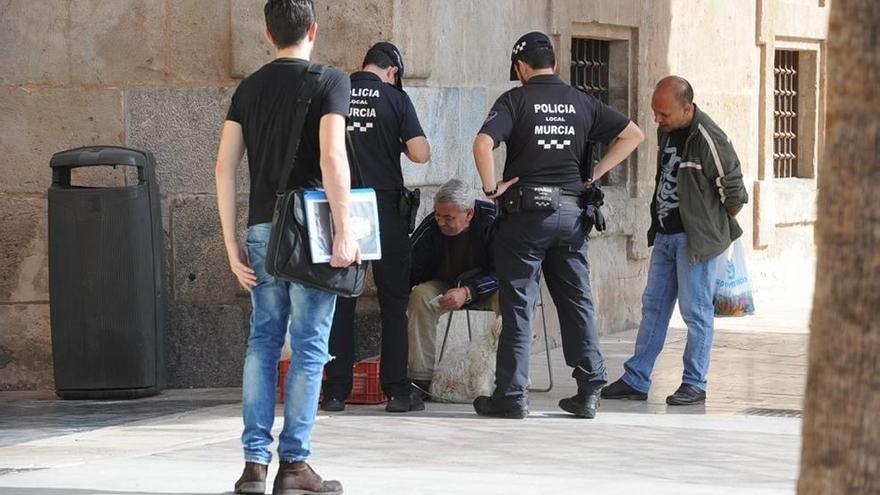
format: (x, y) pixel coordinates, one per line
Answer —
(468, 298)
(490, 193)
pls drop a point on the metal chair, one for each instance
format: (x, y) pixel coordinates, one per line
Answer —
(540, 304)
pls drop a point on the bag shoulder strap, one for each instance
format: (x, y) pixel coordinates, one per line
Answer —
(304, 99)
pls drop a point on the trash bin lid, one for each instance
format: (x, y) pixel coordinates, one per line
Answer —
(99, 155)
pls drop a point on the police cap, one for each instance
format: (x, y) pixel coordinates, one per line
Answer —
(528, 42)
(396, 59)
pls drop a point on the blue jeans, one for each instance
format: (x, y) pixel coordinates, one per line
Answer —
(671, 276)
(310, 315)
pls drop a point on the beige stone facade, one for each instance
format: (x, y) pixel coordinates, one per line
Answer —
(158, 74)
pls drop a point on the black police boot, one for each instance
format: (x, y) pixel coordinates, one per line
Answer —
(621, 390)
(253, 479)
(582, 405)
(404, 403)
(687, 395)
(485, 406)
(332, 404)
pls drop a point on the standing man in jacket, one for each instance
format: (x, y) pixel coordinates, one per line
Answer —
(260, 122)
(699, 190)
(452, 268)
(383, 125)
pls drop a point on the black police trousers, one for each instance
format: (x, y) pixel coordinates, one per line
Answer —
(391, 276)
(527, 243)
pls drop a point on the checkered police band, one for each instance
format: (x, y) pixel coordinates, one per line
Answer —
(361, 126)
(554, 143)
(518, 48)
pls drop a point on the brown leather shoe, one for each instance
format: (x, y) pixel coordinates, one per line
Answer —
(298, 478)
(253, 479)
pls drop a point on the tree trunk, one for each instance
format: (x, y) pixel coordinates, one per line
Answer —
(841, 436)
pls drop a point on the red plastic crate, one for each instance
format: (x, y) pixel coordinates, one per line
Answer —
(365, 388)
(283, 366)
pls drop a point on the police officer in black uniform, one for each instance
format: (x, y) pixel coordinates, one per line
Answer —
(383, 124)
(546, 125)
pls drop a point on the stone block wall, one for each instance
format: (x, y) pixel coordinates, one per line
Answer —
(158, 75)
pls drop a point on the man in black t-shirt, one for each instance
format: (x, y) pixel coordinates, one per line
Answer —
(383, 124)
(546, 125)
(260, 122)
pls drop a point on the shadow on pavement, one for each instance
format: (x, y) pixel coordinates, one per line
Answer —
(25, 421)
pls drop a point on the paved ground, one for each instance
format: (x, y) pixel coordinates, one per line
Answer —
(186, 442)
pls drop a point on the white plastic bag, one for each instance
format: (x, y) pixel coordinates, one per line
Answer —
(468, 371)
(733, 294)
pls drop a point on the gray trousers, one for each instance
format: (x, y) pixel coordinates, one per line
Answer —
(423, 319)
(526, 244)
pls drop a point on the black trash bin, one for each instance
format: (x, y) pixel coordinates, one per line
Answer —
(106, 271)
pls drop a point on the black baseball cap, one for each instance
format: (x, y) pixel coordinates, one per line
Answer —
(530, 41)
(396, 59)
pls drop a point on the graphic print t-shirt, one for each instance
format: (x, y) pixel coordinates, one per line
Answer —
(666, 211)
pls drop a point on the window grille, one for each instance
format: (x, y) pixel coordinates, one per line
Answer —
(589, 66)
(590, 74)
(785, 114)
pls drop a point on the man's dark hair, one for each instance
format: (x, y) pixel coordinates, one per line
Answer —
(377, 58)
(288, 21)
(539, 58)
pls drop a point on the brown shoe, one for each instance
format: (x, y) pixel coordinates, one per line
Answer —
(298, 478)
(253, 479)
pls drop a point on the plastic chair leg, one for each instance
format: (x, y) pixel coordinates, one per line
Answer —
(445, 336)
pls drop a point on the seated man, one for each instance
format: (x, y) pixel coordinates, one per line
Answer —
(451, 268)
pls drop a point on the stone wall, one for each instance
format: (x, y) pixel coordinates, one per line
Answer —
(158, 74)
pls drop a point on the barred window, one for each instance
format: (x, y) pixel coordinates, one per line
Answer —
(589, 66)
(785, 114)
(590, 73)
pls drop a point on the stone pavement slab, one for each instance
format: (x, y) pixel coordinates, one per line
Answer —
(187, 441)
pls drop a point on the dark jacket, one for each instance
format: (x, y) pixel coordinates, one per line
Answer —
(709, 182)
(427, 245)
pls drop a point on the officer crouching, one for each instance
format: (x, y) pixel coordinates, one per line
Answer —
(546, 125)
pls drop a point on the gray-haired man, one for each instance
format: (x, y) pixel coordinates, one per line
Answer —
(452, 260)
